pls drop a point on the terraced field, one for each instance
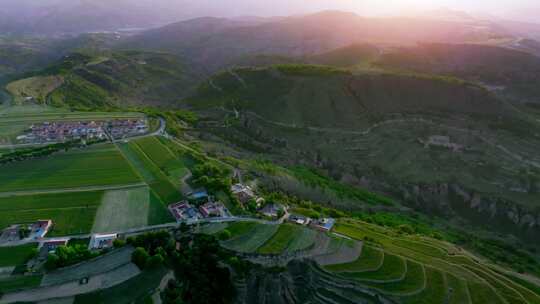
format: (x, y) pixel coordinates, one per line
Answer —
(421, 270)
(249, 237)
(288, 238)
(96, 166)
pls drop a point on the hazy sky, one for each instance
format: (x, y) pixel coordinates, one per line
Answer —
(529, 8)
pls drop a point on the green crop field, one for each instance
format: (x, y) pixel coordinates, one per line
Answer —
(73, 169)
(152, 174)
(483, 293)
(252, 239)
(370, 260)
(451, 273)
(460, 292)
(71, 212)
(158, 212)
(435, 291)
(159, 154)
(414, 281)
(14, 256)
(281, 240)
(288, 238)
(393, 268)
(240, 228)
(134, 204)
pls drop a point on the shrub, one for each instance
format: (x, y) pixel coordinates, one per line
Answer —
(140, 257)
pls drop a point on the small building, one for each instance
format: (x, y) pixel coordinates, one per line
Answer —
(52, 245)
(324, 224)
(299, 219)
(271, 210)
(211, 209)
(183, 211)
(198, 195)
(40, 228)
(243, 193)
(102, 241)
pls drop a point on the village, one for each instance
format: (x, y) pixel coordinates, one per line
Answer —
(201, 206)
(62, 131)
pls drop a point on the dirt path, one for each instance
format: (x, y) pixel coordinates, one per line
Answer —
(156, 297)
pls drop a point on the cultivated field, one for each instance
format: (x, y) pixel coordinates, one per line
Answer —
(417, 270)
(94, 166)
(71, 212)
(152, 174)
(122, 209)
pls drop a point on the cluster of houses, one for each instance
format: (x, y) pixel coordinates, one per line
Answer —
(61, 131)
(185, 211)
(122, 128)
(33, 231)
(324, 224)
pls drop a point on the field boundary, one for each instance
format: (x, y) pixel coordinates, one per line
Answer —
(76, 189)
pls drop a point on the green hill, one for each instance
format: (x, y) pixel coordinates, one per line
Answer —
(100, 80)
(380, 130)
(516, 73)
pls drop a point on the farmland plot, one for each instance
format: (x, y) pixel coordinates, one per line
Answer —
(98, 167)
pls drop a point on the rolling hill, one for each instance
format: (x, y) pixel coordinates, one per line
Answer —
(101, 80)
(215, 42)
(379, 130)
(516, 73)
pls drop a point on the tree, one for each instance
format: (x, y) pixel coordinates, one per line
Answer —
(52, 261)
(224, 235)
(140, 257)
(155, 261)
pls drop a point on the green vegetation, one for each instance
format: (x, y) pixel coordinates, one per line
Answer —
(310, 70)
(393, 268)
(37, 88)
(413, 281)
(252, 239)
(11, 284)
(435, 291)
(136, 205)
(133, 290)
(288, 238)
(68, 255)
(23, 154)
(122, 77)
(71, 212)
(94, 167)
(15, 256)
(370, 260)
(315, 179)
(152, 174)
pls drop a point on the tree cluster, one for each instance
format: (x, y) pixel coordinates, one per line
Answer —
(68, 255)
(200, 278)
